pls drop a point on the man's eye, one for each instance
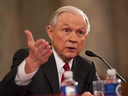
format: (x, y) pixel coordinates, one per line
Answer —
(80, 32)
(66, 30)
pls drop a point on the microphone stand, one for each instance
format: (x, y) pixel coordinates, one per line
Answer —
(111, 68)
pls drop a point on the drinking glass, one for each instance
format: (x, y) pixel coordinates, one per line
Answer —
(98, 88)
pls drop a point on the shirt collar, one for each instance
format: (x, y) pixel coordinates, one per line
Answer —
(59, 61)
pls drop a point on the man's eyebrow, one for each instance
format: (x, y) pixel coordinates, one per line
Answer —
(65, 24)
(82, 28)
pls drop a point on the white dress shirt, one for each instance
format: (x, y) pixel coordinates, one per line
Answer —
(23, 79)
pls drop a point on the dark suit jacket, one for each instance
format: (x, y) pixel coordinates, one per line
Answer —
(46, 81)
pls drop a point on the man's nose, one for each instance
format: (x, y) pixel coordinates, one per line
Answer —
(73, 37)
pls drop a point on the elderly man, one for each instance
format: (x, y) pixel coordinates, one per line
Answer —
(38, 69)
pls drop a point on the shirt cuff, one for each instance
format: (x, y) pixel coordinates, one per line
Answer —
(21, 77)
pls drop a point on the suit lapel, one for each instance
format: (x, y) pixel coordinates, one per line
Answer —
(78, 72)
(51, 73)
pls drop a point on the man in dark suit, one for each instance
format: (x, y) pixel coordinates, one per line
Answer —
(38, 69)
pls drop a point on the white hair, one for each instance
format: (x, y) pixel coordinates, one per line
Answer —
(72, 9)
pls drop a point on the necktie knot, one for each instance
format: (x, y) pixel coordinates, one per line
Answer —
(66, 67)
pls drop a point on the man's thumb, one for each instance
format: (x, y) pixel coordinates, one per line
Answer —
(29, 36)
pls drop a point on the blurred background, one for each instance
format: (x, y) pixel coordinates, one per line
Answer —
(108, 37)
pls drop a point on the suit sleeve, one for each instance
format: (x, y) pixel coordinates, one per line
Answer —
(9, 87)
(93, 76)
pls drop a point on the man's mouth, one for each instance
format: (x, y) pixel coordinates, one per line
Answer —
(71, 48)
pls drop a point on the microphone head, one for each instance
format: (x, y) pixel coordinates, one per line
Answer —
(89, 53)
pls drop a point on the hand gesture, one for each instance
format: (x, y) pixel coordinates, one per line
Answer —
(39, 52)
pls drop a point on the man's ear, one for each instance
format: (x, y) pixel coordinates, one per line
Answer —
(49, 32)
(86, 36)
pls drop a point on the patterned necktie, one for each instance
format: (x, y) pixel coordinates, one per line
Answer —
(66, 68)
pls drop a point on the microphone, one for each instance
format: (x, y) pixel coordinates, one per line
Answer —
(91, 54)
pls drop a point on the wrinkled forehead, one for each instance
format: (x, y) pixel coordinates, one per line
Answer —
(71, 20)
(75, 13)
(56, 14)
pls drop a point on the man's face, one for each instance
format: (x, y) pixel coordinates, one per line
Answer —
(68, 35)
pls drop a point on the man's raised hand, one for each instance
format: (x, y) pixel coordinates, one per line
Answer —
(39, 52)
